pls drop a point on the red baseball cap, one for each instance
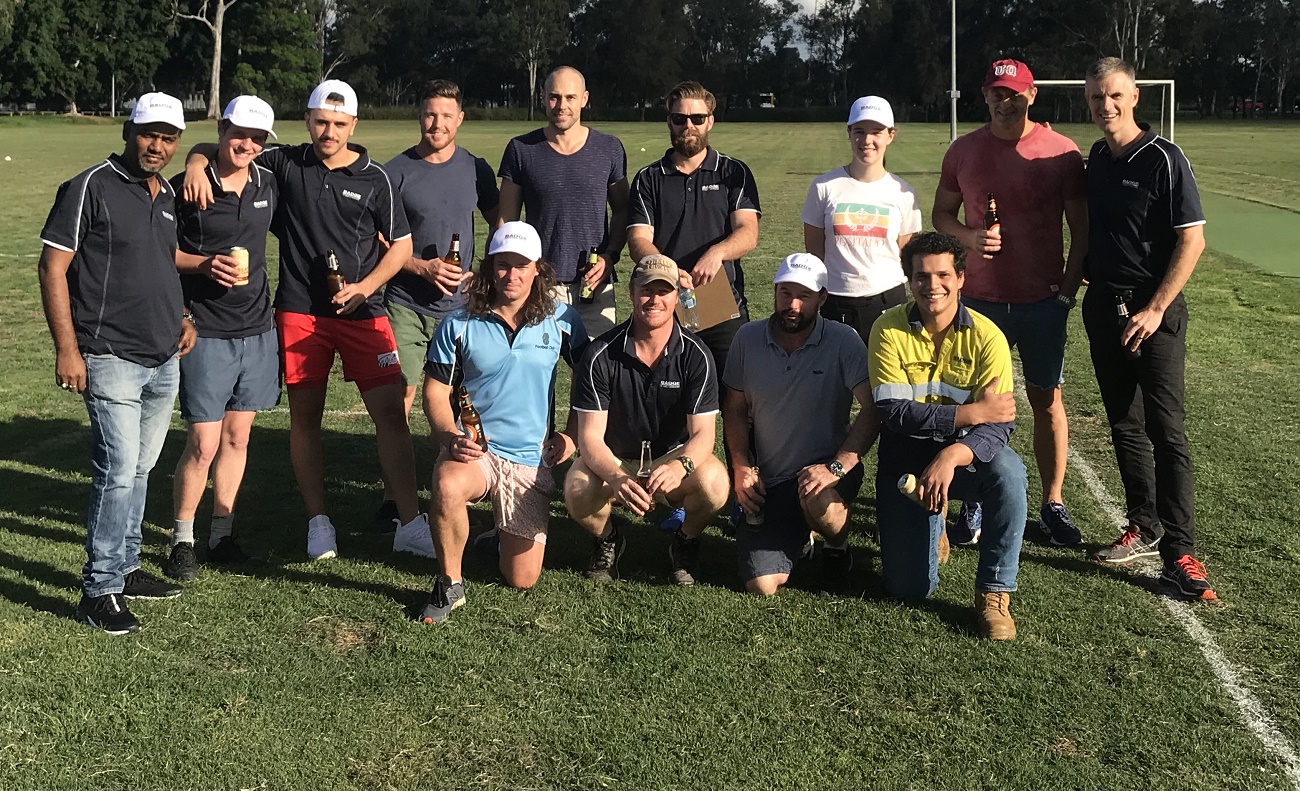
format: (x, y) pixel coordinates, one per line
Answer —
(1008, 73)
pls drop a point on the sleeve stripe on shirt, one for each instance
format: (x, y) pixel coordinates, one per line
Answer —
(392, 202)
(591, 376)
(708, 367)
(57, 246)
(81, 203)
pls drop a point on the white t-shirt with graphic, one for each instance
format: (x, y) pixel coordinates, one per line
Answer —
(862, 222)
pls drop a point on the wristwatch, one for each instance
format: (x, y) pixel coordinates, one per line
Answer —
(1065, 302)
(836, 469)
(687, 464)
(187, 316)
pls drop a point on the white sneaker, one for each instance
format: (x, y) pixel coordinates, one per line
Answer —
(414, 537)
(320, 539)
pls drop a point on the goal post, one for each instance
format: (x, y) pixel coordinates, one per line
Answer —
(1166, 104)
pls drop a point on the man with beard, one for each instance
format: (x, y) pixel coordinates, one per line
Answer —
(794, 376)
(113, 303)
(563, 175)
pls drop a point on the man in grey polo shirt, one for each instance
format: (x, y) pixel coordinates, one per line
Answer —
(794, 377)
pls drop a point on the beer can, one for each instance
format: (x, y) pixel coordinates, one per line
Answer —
(240, 254)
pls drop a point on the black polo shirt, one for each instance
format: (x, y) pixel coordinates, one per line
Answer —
(645, 403)
(321, 210)
(122, 284)
(231, 220)
(1137, 201)
(692, 212)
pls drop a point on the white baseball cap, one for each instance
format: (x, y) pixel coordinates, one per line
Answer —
(318, 97)
(805, 269)
(872, 108)
(250, 112)
(158, 108)
(517, 237)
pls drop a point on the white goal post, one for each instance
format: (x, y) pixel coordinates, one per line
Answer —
(1167, 103)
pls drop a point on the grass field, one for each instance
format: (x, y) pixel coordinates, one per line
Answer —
(298, 675)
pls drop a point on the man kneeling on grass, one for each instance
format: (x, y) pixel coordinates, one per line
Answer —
(941, 378)
(502, 349)
(646, 381)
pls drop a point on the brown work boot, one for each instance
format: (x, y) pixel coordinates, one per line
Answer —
(944, 546)
(993, 613)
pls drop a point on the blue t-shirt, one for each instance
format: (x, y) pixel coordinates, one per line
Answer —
(439, 200)
(510, 375)
(565, 195)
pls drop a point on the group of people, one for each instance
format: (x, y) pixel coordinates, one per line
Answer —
(152, 288)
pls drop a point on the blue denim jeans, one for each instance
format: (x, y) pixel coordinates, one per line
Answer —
(130, 408)
(909, 535)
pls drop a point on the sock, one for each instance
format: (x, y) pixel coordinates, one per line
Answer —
(222, 526)
(182, 531)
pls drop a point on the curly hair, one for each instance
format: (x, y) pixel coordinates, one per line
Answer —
(933, 243)
(481, 291)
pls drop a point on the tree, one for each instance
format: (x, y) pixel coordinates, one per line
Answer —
(530, 31)
(212, 13)
(827, 32)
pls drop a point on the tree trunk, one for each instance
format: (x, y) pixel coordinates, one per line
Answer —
(532, 85)
(214, 83)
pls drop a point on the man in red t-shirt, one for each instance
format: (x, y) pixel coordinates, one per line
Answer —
(1018, 274)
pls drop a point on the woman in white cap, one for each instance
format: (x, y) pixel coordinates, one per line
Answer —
(857, 217)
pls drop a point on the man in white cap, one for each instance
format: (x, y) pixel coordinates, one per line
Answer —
(113, 303)
(501, 349)
(340, 217)
(1018, 274)
(234, 369)
(648, 380)
(795, 459)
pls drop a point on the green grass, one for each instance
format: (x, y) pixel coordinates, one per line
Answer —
(298, 675)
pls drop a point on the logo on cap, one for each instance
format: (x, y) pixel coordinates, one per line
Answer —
(1005, 69)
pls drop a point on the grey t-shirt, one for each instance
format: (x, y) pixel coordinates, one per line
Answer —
(439, 201)
(565, 195)
(799, 403)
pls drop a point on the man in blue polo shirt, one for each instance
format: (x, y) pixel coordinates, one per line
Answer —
(113, 303)
(234, 369)
(502, 349)
(1145, 236)
(563, 175)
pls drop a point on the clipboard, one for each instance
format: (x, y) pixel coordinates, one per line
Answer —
(714, 302)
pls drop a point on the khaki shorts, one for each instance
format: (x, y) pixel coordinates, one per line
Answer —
(413, 331)
(521, 496)
(633, 466)
(598, 315)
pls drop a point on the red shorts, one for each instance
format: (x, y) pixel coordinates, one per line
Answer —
(308, 343)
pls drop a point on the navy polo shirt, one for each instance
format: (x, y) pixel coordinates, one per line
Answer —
(643, 402)
(1137, 201)
(231, 220)
(321, 210)
(692, 212)
(123, 286)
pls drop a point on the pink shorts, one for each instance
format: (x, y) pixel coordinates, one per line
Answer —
(521, 496)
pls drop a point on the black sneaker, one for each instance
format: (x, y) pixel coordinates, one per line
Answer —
(1058, 529)
(1130, 546)
(837, 567)
(445, 597)
(140, 584)
(1187, 574)
(227, 551)
(684, 554)
(386, 519)
(107, 612)
(605, 552)
(181, 563)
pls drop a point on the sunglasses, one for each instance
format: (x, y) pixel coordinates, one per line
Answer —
(679, 119)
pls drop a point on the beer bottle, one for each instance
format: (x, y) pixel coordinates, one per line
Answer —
(1121, 311)
(334, 279)
(588, 294)
(647, 464)
(991, 220)
(690, 309)
(470, 421)
(754, 519)
(453, 252)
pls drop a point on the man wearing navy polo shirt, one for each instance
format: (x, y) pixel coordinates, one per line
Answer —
(646, 380)
(1146, 234)
(113, 303)
(502, 348)
(336, 201)
(563, 175)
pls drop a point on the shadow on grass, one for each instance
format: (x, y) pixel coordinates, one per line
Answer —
(1079, 562)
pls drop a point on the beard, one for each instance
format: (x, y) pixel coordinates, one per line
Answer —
(688, 144)
(792, 323)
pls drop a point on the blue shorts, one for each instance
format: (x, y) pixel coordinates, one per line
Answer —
(774, 546)
(1038, 330)
(222, 375)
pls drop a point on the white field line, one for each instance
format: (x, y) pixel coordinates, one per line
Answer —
(1252, 711)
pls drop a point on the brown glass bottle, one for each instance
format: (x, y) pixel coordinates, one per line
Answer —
(334, 279)
(453, 252)
(1121, 312)
(647, 465)
(991, 220)
(470, 420)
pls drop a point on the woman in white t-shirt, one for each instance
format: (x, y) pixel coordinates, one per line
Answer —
(856, 219)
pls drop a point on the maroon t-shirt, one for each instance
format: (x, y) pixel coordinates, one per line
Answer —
(1031, 178)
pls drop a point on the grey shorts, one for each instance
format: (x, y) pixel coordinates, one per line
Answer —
(222, 375)
(774, 546)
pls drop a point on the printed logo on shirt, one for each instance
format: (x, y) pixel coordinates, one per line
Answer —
(710, 188)
(861, 219)
(1130, 183)
(388, 359)
(671, 385)
(261, 204)
(546, 338)
(168, 216)
(351, 194)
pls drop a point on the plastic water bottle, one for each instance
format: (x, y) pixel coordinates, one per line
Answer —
(690, 313)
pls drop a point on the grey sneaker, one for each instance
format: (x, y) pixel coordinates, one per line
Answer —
(445, 597)
(1130, 546)
(605, 552)
(684, 554)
